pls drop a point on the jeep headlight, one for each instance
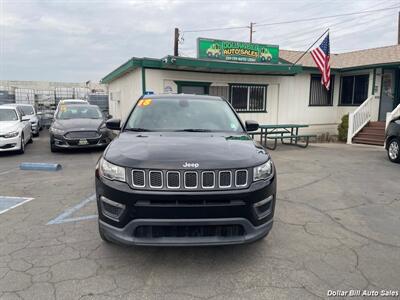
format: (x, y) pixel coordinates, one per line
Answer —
(11, 134)
(264, 171)
(111, 171)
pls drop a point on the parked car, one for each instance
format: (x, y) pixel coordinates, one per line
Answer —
(184, 171)
(15, 129)
(78, 126)
(30, 112)
(392, 141)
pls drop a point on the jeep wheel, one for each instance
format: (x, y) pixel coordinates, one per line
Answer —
(394, 150)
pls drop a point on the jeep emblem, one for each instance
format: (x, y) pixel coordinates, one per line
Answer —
(190, 165)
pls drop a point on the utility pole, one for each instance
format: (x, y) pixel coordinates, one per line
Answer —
(251, 31)
(398, 30)
(176, 42)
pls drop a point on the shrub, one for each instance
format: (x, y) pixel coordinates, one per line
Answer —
(343, 128)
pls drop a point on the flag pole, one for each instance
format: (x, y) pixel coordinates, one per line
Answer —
(304, 53)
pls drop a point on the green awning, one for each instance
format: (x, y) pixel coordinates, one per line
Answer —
(179, 63)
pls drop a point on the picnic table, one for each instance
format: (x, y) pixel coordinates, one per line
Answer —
(282, 132)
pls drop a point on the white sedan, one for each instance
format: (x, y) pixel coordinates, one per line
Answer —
(15, 129)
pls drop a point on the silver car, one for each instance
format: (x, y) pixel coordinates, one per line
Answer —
(29, 111)
(15, 129)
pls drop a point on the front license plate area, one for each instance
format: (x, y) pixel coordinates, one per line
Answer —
(83, 142)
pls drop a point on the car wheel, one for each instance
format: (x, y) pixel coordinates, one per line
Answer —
(394, 150)
(53, 148)
(37, 133)
(31, 140)
(22, 149)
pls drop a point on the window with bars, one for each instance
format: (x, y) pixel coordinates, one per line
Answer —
(354, 89)
(319, 96)
(252, 98)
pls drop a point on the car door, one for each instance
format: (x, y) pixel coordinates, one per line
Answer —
(26, 126)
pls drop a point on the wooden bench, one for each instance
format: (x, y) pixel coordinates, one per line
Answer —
(291, 137)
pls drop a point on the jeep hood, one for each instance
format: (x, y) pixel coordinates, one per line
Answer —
(170, 150)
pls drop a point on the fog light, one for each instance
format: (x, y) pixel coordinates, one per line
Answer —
(111, 209)
(263, 207)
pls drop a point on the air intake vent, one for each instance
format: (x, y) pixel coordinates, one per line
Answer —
(190, 180)
(241, 178)
(225, 179)
(138, 177)
(156, 179)
(173, 179)
(208, 180)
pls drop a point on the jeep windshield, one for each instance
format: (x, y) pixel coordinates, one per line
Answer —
(183, 114)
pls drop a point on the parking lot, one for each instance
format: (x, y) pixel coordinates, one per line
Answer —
(336, 228)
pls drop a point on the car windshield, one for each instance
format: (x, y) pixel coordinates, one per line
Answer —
(27, 110)
(8, 115)
(180, 114)
(79, 112)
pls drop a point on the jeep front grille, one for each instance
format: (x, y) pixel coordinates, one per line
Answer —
(189, 179)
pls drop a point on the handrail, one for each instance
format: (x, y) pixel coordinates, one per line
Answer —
(391, 115)
(359, 118)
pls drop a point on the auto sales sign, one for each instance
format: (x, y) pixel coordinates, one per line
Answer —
(237, 51)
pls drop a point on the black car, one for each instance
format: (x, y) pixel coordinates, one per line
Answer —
(78, 126)
(392, 141)
(184, 171)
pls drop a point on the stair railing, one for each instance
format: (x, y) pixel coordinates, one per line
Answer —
(391, 115)
(359, 118)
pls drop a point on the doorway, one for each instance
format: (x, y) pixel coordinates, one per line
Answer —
(389, 94)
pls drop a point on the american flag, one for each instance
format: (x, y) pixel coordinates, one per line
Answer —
(321, 56)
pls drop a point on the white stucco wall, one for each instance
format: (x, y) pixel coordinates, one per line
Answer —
(287, 96)
(123, 93)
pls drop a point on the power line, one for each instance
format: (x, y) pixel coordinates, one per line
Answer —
(327, 17)
(335, 27)
(291, 22)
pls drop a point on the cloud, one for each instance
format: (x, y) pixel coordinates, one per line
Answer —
(82, 40)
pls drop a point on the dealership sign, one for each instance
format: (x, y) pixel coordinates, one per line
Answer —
(237, 51)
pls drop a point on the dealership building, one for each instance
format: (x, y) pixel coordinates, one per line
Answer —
(262, 84)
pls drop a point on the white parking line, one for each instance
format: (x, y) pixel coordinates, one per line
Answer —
(63, 217)
(8, 203)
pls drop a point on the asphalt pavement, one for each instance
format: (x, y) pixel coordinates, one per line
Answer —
(337, 227)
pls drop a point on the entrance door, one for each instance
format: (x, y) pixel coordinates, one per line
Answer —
(387, 93)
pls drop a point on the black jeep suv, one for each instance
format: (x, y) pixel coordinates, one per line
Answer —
(184, 171)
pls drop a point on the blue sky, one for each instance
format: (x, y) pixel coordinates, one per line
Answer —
(84, 40)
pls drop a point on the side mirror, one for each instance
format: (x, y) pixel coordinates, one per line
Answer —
(25, 118)
(114, 124)
(251, 125)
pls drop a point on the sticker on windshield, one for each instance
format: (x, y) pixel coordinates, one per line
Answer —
(63, 108)
(144, 102)
(233, 126)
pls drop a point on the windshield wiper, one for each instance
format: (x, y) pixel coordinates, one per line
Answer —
(137, 129)
(195, 130)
